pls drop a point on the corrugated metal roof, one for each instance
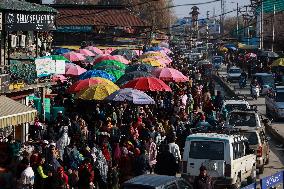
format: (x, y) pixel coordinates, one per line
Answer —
(16, 5)
(97, 17)
(268, 6)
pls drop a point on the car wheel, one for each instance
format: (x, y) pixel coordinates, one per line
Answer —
(261, 169)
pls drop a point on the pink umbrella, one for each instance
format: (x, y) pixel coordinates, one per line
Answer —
(166, 50)
(103, 57)
(74, 57)
(74, 70)
(108, 50)
(121, 59)
(94, 49)
(56, 78)
(86, 52)
(169, 74)
(138, 52)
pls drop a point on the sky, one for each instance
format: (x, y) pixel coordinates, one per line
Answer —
(184, 10)
(229, 6)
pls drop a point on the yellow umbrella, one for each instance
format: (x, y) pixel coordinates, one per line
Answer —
(97, 92)
(223, 49)
(152, 54)
(153, 62)
(278, 62)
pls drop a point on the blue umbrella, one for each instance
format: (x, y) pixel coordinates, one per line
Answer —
(97, 73)
(157, 48)
(231, 46)
(131, 95)
(61, 51)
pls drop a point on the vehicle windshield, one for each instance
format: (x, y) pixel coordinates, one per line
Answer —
(267, 80)
(234, 71)
(279, 97)
(252, 137)
(231, 107)
(242, 119)
(206, 150)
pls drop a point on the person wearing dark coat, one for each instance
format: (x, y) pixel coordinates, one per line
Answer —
(166, 162)
(203, 181)
(141, 163)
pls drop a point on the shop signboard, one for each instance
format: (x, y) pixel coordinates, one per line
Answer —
(272, 181)
(45, 67)
(60, 67)
(29, 22)
(71, 29)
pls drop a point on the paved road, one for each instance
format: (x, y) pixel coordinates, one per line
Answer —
(276, 163)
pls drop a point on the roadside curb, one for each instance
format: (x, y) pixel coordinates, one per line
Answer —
(232, 93)
(275, 134)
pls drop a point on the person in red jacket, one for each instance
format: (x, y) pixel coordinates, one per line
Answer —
(61, 179)
(86, 175)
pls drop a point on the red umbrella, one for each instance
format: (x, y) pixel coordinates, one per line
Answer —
(74, 57)
(83, 84)
(104, 57)
(147, 84)
(94, 49)
(86, 52)
(169, 74)
(56, 78)
(74, 70)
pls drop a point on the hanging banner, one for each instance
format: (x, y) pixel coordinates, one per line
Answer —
(45, 67)
(60, 67)
(29, 22)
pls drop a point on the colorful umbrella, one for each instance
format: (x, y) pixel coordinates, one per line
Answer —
(132, 75)
(61, 51)
(121, 59)
(86, 83)
(153, 62)
(108, 50)
(94, 49)
(74, 57)
(116, 73)
(74, 70)
(127, 53)
(139, 67)
(156, 48)
(86, 52)
(107, 67)
(131, 95)
(147, 84)
(97, 73)
(97, 92)
(110, 63)
(56, 78)
(164, 44)
(278, 62)
(169, 74)
(250, 55)
(103, 57)
(269, 54)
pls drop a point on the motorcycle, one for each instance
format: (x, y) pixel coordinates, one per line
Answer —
(242, 82)
(255, 92)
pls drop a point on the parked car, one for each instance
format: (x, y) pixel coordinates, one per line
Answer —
(231, 105)
(150, 181)
(259, 142)
(243, 119)
(234, 74)
(265, 80)
(274, 102)
(228, 159)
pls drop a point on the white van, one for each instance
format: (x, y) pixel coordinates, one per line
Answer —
(227, 158)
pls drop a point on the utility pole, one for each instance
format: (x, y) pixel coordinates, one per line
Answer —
(222, 16)
(273, 28)
(238, 20)
(261, 26)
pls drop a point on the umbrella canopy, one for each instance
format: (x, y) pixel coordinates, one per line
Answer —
(251, 55)
(153, 62)
(107, 67)
(231, 46)
(86, 52)
(150, 54)
(132, 75)
(116, 73)
(97, 92)
(108, 50)
(74, 70)
(97, 73)
(121, 59)
(164, 44)
(56, 78)
(278, 62)
(131, 95)
(166, 50)
(56, 57)
(61, 51)
(147, 84)
(103, 57)
(156, 48)
(110, 63)
(94, 49)
(127, 53)
(86, 83)
(74, 57)
(169, 74)
(139, 67)
(269, 54)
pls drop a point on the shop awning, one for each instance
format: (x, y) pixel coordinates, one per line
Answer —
(13, 113)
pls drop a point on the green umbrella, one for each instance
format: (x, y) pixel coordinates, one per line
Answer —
(56, 57)
(110, 63)
(116, 73)
(105, 67)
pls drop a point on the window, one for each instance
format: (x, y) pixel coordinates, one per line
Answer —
(206, 150)
(238, 150)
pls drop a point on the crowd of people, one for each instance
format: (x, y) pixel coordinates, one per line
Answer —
(104, 144)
